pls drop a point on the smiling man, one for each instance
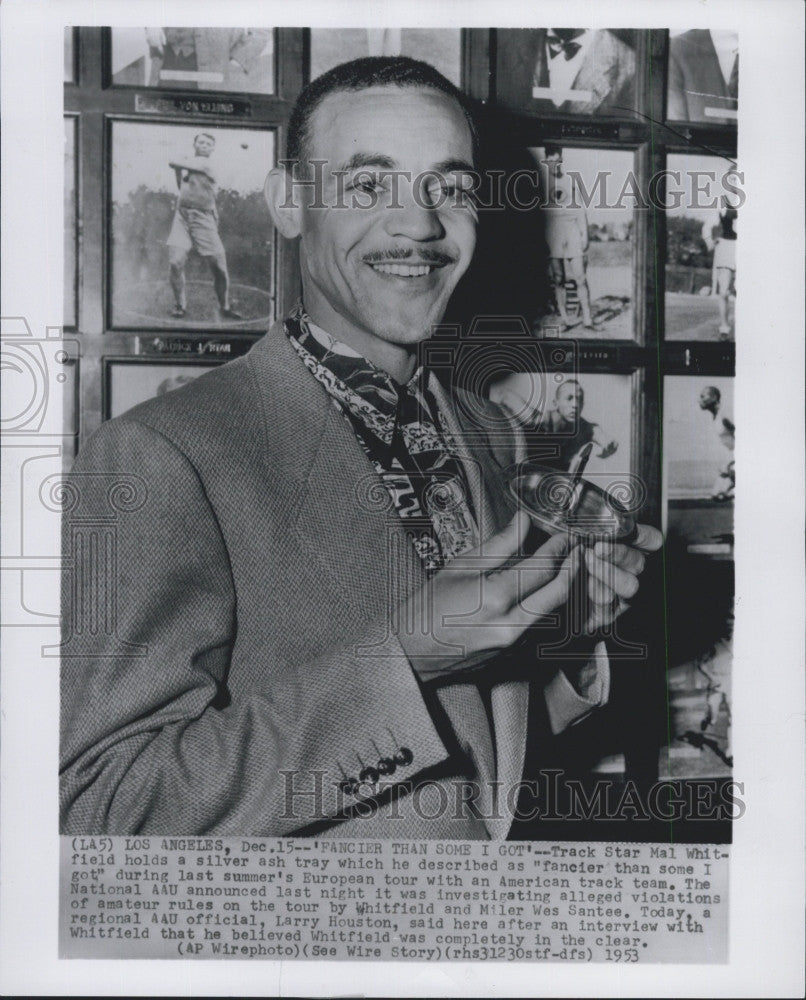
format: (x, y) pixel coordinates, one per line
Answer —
(323, 607)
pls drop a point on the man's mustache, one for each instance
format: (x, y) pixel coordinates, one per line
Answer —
(426, 255)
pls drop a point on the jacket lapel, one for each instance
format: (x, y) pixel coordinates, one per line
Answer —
(340, 510)
(486, 452)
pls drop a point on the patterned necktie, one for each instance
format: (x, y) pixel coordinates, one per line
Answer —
(400, 431)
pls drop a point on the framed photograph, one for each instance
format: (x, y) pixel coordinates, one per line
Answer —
(217, 59)
(562, 412)
(699, 437)
(587, 199)
(129, 381)
(703, 81)
(192, 244)
(70, 314)
(442, 47)
(70, 75)
(699, 480)
(699, 698)
(701, 236)
(566, 71)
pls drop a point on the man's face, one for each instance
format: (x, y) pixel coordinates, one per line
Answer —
(203, 145)
(382, 265)
(708, 400)
(570, 398)
(555, 164)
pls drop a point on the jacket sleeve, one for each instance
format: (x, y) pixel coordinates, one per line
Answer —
(150, 741)
(568, 703)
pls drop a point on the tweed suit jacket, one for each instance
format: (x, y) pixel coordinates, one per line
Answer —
(248, 664)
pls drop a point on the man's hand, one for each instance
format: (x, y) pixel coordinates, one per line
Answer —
(482, 601)
(613, 571)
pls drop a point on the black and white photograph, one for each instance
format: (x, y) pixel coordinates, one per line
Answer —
(134, 380)
(440, 47)
(377, 594)
(188, 59)
(588, 236)
(702, 224)
(703, 84)
(562, 414)
(192, 241)
(579, 71)
(699, 444)
(378, 264)
(700, 482)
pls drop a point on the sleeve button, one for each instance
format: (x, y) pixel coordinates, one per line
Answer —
(369, 776)
(404, 756)
(386, 766)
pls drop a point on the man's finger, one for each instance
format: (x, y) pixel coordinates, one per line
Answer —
(620, 581)
(600, 593)
(533, 602)
(536, 570)
(557, 546)
(647, 538)
(500, 547)
(624, 556)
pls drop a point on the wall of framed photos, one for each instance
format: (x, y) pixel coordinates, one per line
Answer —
(645, 293)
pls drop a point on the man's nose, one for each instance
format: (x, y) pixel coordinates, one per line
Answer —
(411, 216)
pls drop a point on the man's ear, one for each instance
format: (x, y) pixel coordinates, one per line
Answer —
(283, 202)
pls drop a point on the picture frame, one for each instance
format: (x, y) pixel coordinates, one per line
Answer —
(166, 264)
(701, 205)
(128, 381)
(588, 215)
(441, 47)
(703, 76)
(200, 59)
(698, 440)
(543, 404)
(699, 470)
(567, 71)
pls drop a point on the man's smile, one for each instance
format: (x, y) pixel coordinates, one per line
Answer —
(403, 270)
(398, 265)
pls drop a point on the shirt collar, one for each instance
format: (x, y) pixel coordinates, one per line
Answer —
(330, 343)
(331, 346)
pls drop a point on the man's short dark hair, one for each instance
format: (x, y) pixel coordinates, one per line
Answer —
(564, 383)
(360, 74)
(552, 149)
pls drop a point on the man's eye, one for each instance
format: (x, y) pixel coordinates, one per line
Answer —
(451, 191)
(369, 183)
(441, 190)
